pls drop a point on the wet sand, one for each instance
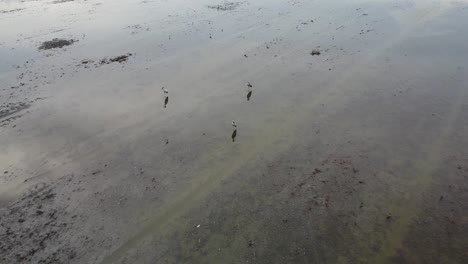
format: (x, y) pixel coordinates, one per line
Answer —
(349, 145)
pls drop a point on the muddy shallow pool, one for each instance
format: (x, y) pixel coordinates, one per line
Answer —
(211, 131)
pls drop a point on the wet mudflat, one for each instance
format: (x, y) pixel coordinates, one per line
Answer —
(296, 131)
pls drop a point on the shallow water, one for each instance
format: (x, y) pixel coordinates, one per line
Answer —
(357, 155)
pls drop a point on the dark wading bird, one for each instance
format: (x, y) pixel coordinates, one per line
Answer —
(166, 93)
(249, 91)
(234, 133)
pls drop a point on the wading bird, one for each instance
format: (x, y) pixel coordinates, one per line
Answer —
(234, 133)
(249, 91)
(166, 101)
(166, 93)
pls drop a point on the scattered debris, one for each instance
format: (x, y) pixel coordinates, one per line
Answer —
(135, 29)
(226, 6)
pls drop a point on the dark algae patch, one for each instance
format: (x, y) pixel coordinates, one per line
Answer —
(56, 43)
(119, 59)
(10, 11)
(87, 63)
(315, 52)
(62, 1)
(12, 108)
